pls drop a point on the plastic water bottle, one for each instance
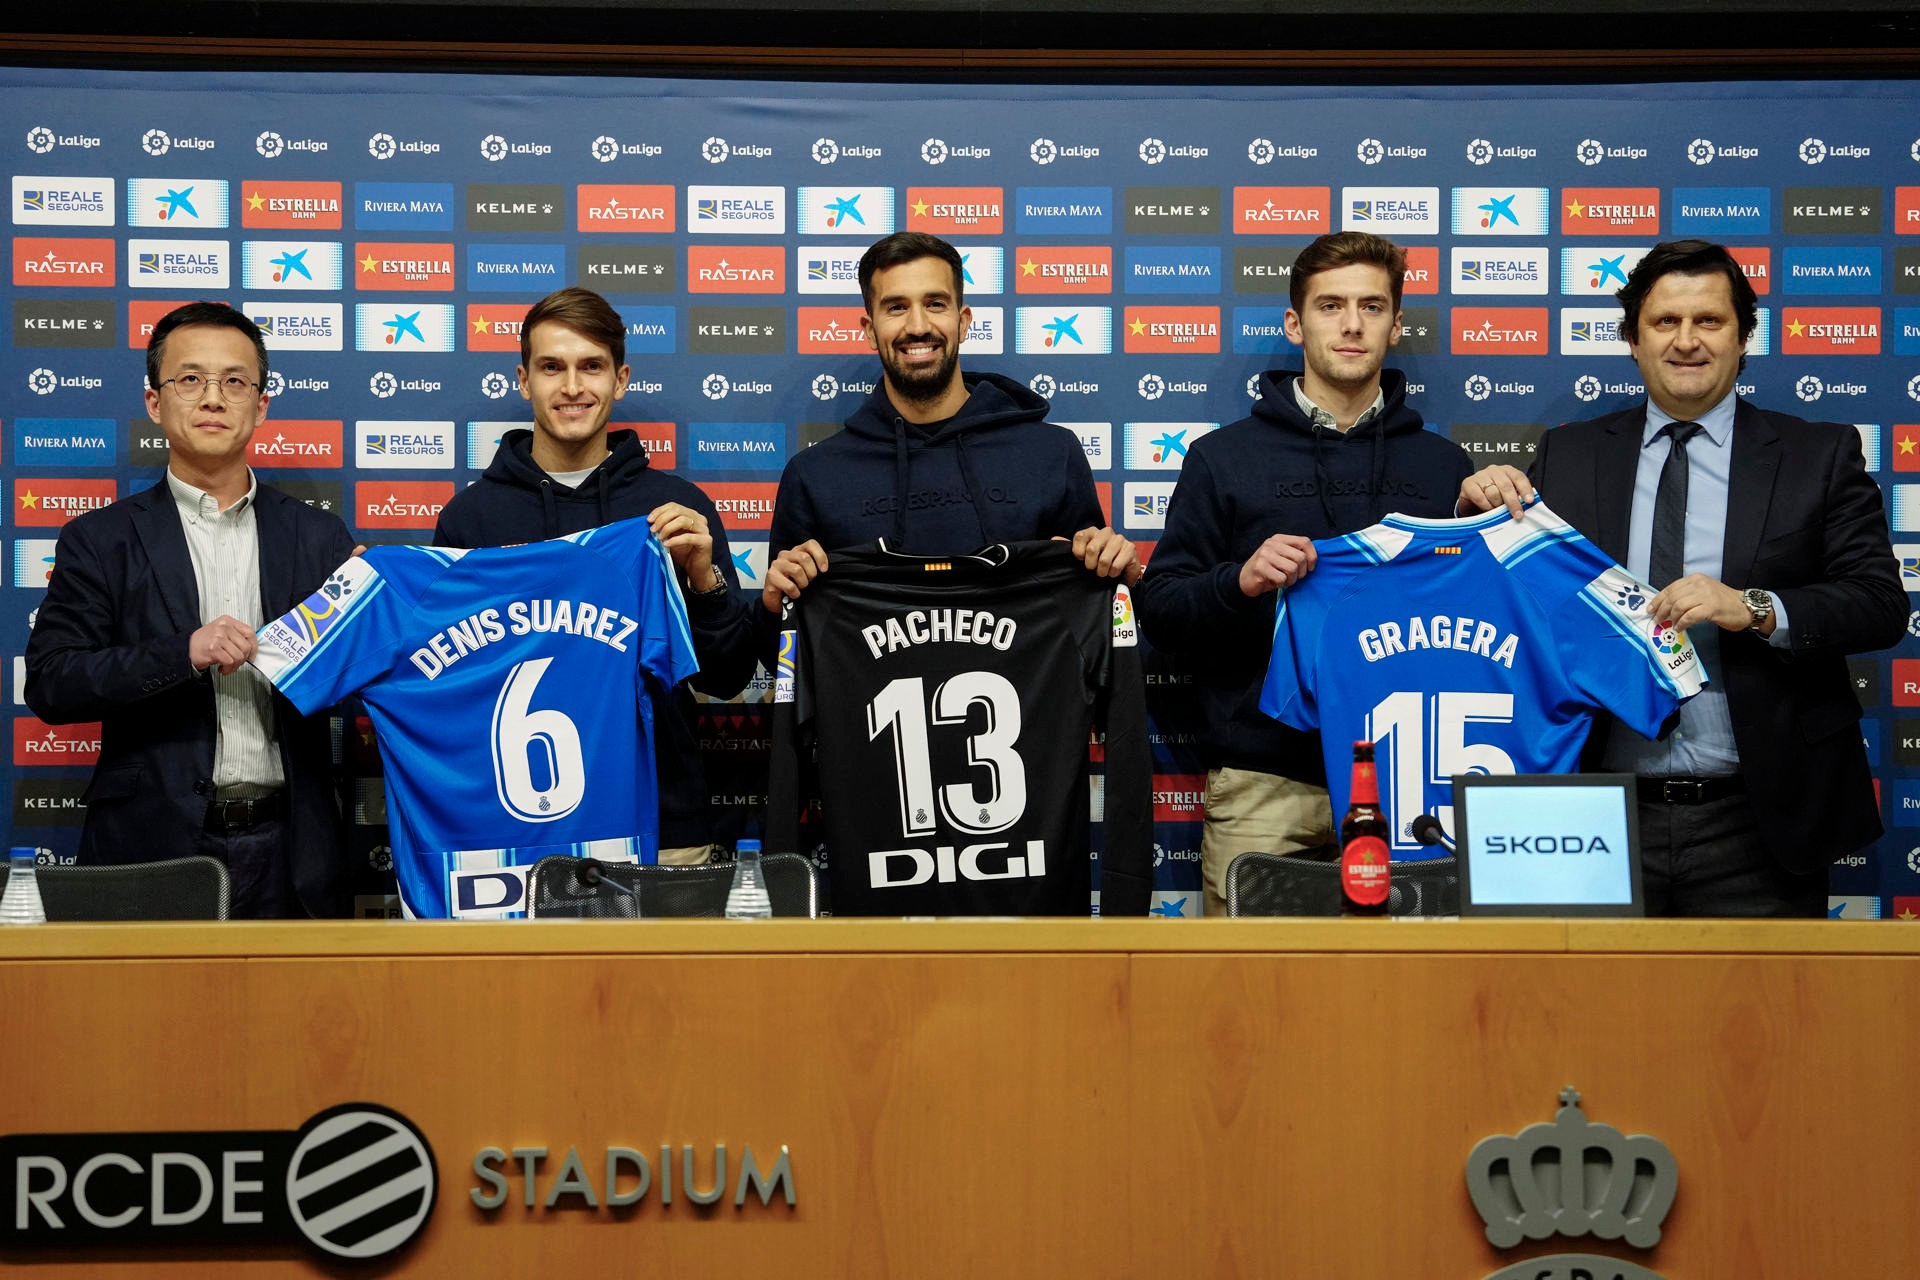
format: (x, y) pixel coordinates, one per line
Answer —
(747, 898)
(21, 904)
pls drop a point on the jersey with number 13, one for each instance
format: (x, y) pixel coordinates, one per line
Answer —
(1481, 645)
(507, 687)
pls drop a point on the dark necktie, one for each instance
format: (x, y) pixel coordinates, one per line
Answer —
(1667, 560)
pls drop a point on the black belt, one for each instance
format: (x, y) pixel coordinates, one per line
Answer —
(1690, 790)
(237, 815)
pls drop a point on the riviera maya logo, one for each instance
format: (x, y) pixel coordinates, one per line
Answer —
(1577, 1179)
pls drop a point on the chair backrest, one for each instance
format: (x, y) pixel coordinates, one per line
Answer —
(1266, 884)
(192, 888)
(555, 890)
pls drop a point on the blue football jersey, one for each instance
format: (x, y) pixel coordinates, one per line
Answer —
(1481, 645)
(508, 687)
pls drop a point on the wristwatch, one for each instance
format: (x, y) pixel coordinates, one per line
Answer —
(719, 584)
(1759, 604)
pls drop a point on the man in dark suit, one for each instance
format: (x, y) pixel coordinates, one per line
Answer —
(148, 625)
(1766, 537)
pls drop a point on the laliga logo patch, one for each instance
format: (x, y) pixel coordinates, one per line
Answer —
(1913, 387)
(1669, 639)
(1152, 387)
(42, 382)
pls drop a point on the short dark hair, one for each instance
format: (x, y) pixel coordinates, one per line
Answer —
(218, 314)
(1686, 258)
(1346, 249)
(581, 310)
(901, 248)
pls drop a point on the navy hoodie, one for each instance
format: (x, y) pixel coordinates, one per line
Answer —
(1274, 472)
(994, 472)
(515, 501)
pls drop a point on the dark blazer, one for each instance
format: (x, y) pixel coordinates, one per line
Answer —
(1804, 520)
(110, 644)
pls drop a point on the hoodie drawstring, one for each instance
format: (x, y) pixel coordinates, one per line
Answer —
(549, 509)
(1323, 481)
(974, 494)
(1378, 470)
(901, 468)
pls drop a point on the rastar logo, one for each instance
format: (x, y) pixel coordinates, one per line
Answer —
(618, 207)
(743, 504)
(1183, 330)
(42, 261)
(1756, 263)
(1423, 269)
(308, 206)
(36, 742)
(493, 327)
(736, 268)
(400, 504)
(413, 268)
(296, 442)
(1830, 331)
(1282, 211)
(956, 211)
(43, 503)
(1064, 269)
(831, 331)
(1500, 331)
(1600, 211)
(1179, 797)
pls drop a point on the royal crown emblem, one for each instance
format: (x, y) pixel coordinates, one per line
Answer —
(1573, 1178)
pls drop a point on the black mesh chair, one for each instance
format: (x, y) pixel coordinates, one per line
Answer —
(557, 889)
(1266, 884)
(176, 889)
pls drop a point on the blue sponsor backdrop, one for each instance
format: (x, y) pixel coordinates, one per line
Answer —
(1129, 249)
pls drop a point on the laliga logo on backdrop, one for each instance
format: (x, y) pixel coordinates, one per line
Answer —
(606, 149)
(1152, 387)
(1152, 150)
(1371, 151)
(383, 384)
(1590, 151)
(933, 151)
(825, 151)
(155, 142)
(1577, 1179)
(276, 383)
(270, 144)
(1812, 151)
(1913, 387)
(381, 146)
(826, 387)
(495, 385)
(493, 147)
(1478, 387)
(1809, 389)
(1253, 387)
(1042, 384)
(1480, 151)
(1043, 151)
(1261, 151)
(1700, 151)
(1587, 387)
(42, 382)
(40, 140)
(715, 150)
(1913, 860)
(714, 386)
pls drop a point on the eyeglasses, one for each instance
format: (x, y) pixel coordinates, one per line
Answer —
(192, 386)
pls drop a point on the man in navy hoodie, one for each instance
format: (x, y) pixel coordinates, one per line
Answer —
(937, 462)
(1326, 452)
(570, 473)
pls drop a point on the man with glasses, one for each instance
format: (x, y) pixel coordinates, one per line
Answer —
(148, 626)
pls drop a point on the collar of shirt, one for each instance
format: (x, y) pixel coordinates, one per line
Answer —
(199, 504)
(1321, 418)
(1717, 422)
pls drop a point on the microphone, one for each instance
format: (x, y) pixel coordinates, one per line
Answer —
(1427, 830)
(593, 875)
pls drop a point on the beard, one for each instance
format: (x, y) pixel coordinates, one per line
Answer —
(924, 384)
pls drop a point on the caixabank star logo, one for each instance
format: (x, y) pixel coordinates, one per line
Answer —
(1577, 1179)
(357, 1181)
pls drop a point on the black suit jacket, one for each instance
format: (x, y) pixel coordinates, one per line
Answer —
(1805, 521)
(110, 644)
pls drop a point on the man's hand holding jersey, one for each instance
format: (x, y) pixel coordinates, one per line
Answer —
(1280, 561)
(1494, 486)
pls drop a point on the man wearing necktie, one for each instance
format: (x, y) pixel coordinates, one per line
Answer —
(1765, 537)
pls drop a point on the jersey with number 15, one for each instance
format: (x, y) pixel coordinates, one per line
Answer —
(1481, 645)
(507, 686)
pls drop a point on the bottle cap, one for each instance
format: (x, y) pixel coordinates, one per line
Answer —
(746, 846)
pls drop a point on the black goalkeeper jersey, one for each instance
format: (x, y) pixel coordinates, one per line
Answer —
(941, 709)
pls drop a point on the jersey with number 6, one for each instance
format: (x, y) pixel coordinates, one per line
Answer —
(1481, 645)
(508, 689)
(946, 705)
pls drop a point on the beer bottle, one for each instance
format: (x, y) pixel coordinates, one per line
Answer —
(1364, 850)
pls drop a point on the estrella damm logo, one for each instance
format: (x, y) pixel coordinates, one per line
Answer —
(1831, 331)
(956, 211)
(307, 206)
(1597, 211)
(1178, 330)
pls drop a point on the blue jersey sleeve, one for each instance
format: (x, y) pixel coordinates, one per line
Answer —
(339, 638)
